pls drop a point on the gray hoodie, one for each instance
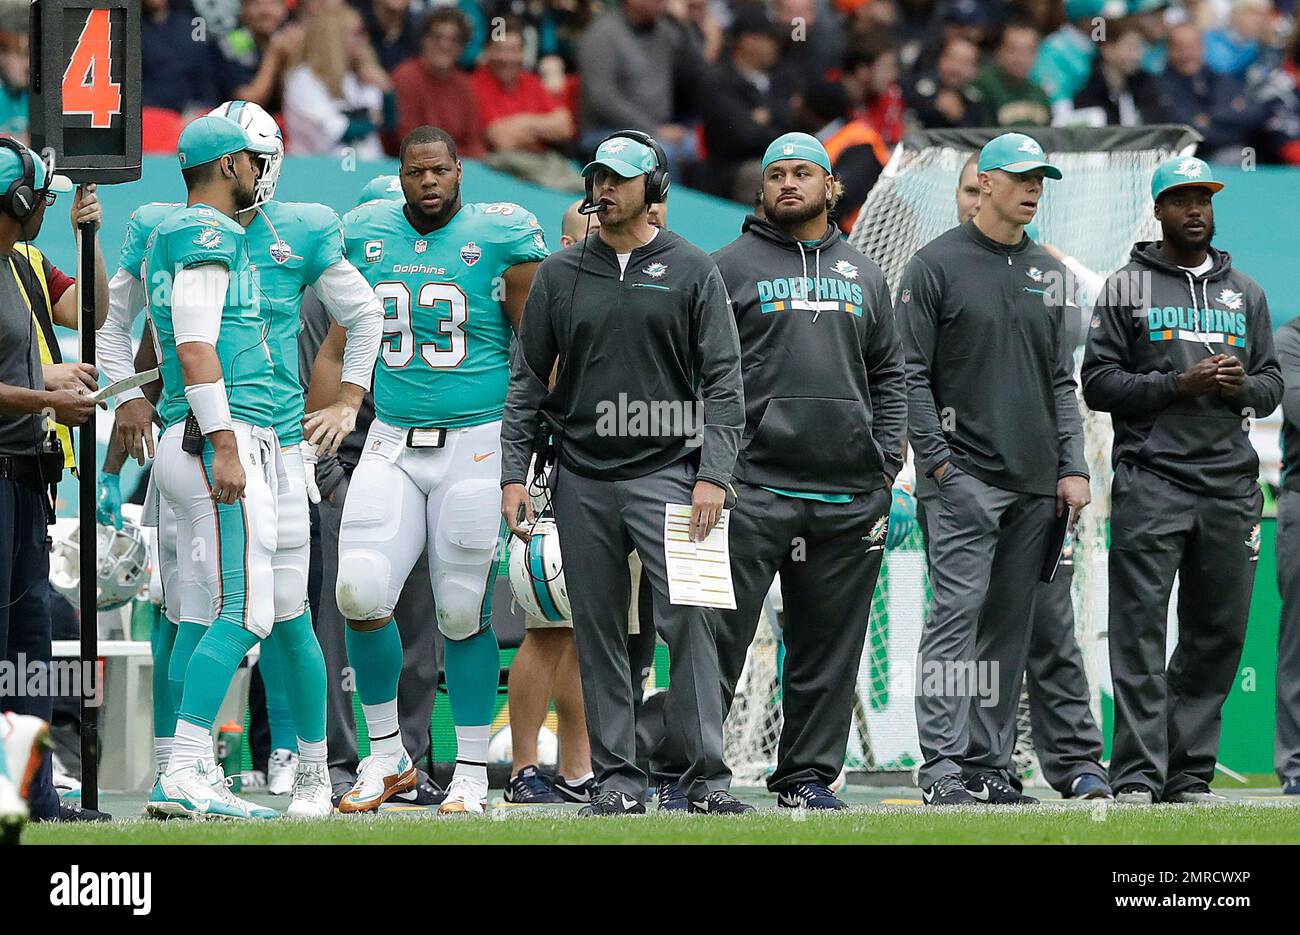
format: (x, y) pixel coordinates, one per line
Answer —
(825, 402)
(1154, 320)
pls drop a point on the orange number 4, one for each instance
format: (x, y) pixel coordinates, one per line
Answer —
(88, 86)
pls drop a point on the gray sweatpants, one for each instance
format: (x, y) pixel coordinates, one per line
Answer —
(599, 523)
(422, 649)
(829, 561)
(1167, 722)
(986, 550)
(1286, 756)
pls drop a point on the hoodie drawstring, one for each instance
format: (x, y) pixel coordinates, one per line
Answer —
(817, 284)
(1201, 309)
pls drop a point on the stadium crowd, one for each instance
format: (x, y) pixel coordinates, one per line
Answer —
(530, 85)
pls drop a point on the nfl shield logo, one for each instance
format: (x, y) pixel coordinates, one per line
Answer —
(281, 251)
(907, 295)
(421, 246)
(470, 253)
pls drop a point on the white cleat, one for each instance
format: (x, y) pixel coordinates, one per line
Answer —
(199, 793)
(311, 792)
(465, 796)
(379, 777)
(23, 742)
(13, 811)
(281, 770)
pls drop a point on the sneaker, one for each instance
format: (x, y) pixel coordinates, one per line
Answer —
(613, 803)
(529, 787)
(671, 797)
(581, 792)
(810, 795)
(281, 772)
(720, 802)
(23, 742)
(198, 793)
(1291, 786)
(947, 790)
(992, 789)
(1089, 786)
(1134, 794)
(379, 777)
(311, 791)
(1197, 795)
(75, 811)
(425, 792)
(467, 795)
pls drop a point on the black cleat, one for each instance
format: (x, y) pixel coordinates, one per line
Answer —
(580, 792)
(947, 790)
(811, 795)
(613, 803)
(992, 789)
(425, 792)
(720, 802)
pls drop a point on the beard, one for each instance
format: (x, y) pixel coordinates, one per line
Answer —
(783, 216)
(450, 203)
(1181, 242)
(244, 197)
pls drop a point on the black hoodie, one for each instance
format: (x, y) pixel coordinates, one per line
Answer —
(1152, 321)
(825, 401)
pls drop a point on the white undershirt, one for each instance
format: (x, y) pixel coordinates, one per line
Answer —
(624, 257)
(1198, 270)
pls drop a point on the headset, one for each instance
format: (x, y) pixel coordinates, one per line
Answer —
(20, 198)
(657, 181)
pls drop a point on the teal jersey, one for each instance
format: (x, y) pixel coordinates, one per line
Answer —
(138, 228)
(445, 357)
(288, 255)
(192, 237)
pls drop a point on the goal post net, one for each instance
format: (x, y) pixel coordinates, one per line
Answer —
(1095, 213)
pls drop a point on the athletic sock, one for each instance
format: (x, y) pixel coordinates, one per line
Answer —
(381, 726)
(162, 747)
(278, 714)
(192, 744)
(312, 752)
(162, 638)
(473, 674)
(580, 780)
(302, 670)
(187, 637)
(211, 668)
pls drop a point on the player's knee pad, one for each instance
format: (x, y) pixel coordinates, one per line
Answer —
(362, 586)
(466, 541)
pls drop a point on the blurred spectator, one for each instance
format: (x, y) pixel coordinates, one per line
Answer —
(335, 98)
(966, 18)
(173, 66)
(1065, 57)
(430, 89)
(1215, 104)
(571, 18)
(1010, 98)
(856, 151)
(1149, 15)
(919, 30)
(1118, 92)
(633, 60)
(871, 78)
(537, 23)
(812, 39)
(1047, 16)
(14, 63)
(394, 30)
(250, 62)
(747, 105)
(700, 21)
(522, 121)
(1233, 50)
(946, 97)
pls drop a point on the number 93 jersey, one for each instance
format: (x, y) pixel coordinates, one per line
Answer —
(445, 357)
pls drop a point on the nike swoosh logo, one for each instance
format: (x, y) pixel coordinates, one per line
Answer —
(982, 794)
(928, 795)
(484, 457)
(629, 803)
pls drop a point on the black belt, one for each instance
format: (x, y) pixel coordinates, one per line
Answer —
(22, 469)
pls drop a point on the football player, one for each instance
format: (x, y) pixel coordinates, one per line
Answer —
(453, 278)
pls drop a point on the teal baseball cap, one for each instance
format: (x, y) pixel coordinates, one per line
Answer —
(797, 146)
(623, 156)
(1015, 152)
(1182, 172)
(11, 170)
(387, 187)
(210, 137)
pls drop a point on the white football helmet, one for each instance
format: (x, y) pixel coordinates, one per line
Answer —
(122, 570)
(537, 574)
(262, 127)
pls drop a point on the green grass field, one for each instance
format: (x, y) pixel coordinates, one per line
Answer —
(880, 816)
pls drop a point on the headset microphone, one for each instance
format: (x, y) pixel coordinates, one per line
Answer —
(595, 208)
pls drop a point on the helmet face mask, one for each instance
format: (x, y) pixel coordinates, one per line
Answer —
(261, 126)
(122, 570)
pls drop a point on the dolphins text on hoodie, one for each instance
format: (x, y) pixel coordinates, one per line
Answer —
(1154, 320)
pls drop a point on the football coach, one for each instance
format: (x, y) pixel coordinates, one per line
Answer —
(636, 318)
